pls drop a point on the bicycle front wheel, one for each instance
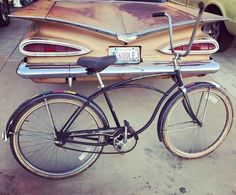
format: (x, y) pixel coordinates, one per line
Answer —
(33, 142)
(184, 137)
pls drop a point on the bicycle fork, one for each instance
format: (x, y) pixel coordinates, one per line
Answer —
(186, 101)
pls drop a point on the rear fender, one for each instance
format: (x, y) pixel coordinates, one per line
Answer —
(13, 118)
(15, 115)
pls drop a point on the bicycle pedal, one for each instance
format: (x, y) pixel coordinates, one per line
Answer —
(131, 130)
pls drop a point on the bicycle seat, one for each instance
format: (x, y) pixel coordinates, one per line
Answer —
(96, 64)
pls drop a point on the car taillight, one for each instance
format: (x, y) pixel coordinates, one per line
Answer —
(40, 47)
(200, 47)
(50, 47)
(197, 47)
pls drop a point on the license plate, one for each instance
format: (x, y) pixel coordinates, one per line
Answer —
(125, 55)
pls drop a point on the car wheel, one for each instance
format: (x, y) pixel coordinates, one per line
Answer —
(220, 33)
(4, 11)
(26, 2)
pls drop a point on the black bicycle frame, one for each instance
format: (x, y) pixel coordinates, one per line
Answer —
(124, 84)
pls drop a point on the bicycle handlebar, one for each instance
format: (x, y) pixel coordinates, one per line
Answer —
(170, 28)
(158, 14)
(201, 6)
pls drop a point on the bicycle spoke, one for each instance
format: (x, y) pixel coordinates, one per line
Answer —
(40, 154)
(35, 152)
(32, 141)
(68, 157)
(205, 136)
(180, 123)
(205, 108)
(55, 154)
(38, 120)
(50, 117)
(69, 114)
(45, 158)
(36, 132)
(199, 105)
(27, 144)
(81, 122)
(182, 129)
(39, 137)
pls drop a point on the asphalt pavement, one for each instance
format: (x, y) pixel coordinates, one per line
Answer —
(149, 169)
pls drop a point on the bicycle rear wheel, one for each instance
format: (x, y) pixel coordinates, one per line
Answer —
(184, 137)
(33, 142)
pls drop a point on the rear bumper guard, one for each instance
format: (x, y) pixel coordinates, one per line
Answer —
(32, 71)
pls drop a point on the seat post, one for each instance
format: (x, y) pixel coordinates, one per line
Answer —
(100, 80)
(108, 99)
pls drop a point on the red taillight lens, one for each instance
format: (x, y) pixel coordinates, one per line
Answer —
(40, 47)
(197, 47)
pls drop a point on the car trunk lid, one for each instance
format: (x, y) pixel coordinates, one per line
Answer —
(123, 20)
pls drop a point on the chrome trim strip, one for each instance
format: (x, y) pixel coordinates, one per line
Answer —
(120, 36)
(25, 71)
(167, 50)
(127, 38)
(25, 42)
(27, 17)
(161, 28)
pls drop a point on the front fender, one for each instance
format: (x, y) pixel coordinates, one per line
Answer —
(188, 87)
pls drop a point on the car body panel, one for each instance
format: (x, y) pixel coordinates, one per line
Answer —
(226, 7)
(129, 17)
(38, 10)
(98, 25)
(150, 44)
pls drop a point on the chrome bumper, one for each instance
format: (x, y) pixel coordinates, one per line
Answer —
(32, 71)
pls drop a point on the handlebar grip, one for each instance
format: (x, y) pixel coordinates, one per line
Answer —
(201, 5)
(158, 14)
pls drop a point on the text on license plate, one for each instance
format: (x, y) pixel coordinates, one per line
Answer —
(125, 55)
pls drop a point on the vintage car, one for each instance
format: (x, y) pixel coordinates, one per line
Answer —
(223, 32)
(4, 11)
(63, 31)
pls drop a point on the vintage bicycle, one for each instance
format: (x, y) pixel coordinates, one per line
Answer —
(60, 134)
